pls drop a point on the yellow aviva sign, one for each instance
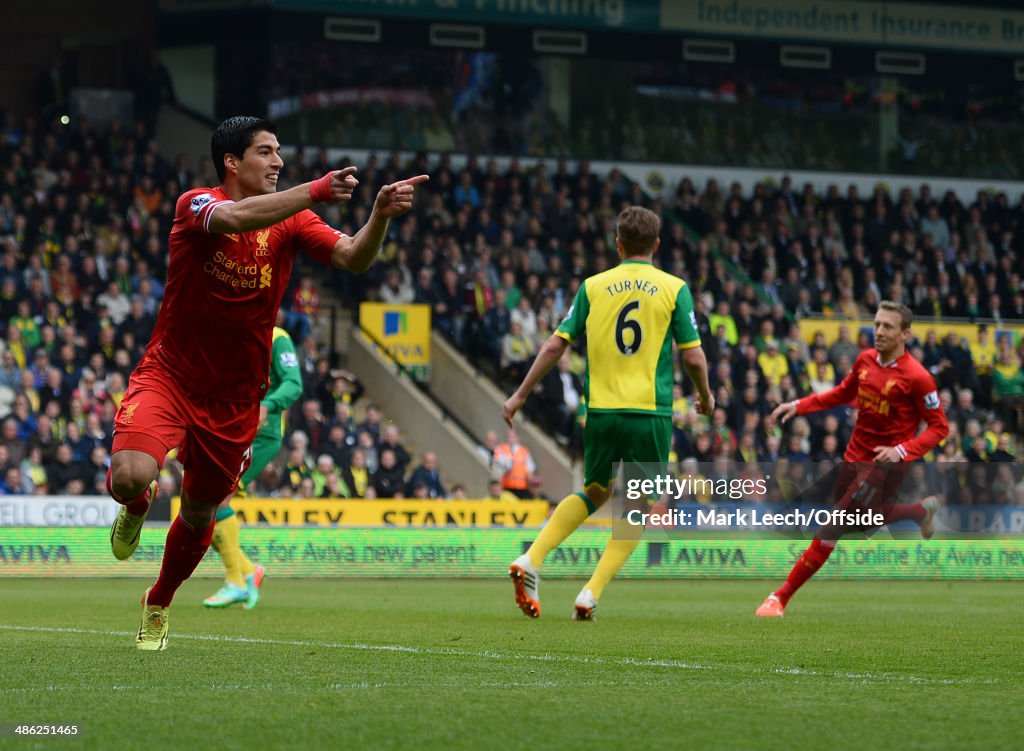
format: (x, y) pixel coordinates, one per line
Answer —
(287, 512)
(403, 331)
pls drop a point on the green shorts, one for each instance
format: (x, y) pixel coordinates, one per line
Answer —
(611, 437)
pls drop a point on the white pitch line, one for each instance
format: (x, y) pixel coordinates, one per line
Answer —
(885, 677)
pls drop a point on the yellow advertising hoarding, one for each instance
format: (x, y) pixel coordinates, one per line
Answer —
(286, 512)
(403, 331)
(968, 331)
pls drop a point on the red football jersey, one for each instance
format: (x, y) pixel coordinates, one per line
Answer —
(213, 332)
(892, 400)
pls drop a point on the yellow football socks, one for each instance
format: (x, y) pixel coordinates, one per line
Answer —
(615, 554)
(225, 541)
(569, 514)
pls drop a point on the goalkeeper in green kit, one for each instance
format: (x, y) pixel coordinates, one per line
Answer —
(242, 579)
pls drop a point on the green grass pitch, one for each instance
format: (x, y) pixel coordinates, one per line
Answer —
(358, 664)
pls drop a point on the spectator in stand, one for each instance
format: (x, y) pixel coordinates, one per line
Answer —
(558, 401)
(515, 463)
(965, 410)
(313, 424)
(322, 474)
(299, 319)
(370, 455)
(390, 440)
(486, 449)
(497, 322)
(35, 475)
(372, 423)
(116, 302)
(394, 291)
(427, 475)
(448, 315)
(516, 353)
(388, 480)
(1008, 390)
(15, 484)
(357, 476)
(772, 363)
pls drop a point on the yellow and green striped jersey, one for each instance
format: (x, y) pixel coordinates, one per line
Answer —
(285, 382)
(631, 315)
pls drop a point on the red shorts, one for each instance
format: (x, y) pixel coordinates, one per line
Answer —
(868, 486)
(213, 436)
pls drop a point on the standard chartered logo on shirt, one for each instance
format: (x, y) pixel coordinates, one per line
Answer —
(238, 274)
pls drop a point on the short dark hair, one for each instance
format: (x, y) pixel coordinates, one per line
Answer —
(234, 136)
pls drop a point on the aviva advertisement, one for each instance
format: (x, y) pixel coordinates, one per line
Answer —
(486, 553)
(402, 331)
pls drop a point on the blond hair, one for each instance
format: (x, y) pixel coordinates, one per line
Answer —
(905, 313)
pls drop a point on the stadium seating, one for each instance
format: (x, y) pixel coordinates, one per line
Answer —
(84, 217)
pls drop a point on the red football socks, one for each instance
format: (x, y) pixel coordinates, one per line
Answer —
(184, 549)
(137, 505)
(897, 512)
(805, 567)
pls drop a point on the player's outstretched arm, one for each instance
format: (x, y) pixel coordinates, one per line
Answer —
(844, 393)
(259, 212)
(549, 354)
(356, 253)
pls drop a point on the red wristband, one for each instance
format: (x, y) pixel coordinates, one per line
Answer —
(320, 190)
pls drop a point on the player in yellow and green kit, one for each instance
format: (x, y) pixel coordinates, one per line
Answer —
(242, 579)
(631, 316)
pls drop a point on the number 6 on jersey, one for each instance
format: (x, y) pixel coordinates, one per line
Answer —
(624, 323)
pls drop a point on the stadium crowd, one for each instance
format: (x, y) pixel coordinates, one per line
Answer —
(498, 254)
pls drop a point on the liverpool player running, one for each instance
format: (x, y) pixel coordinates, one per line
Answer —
(894, 394)
(200, 383)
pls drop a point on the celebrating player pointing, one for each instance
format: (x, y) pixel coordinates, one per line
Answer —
(200, 383)
(894, 394)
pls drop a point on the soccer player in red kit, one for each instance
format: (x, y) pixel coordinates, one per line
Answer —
(894, 395)
(199, 385)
